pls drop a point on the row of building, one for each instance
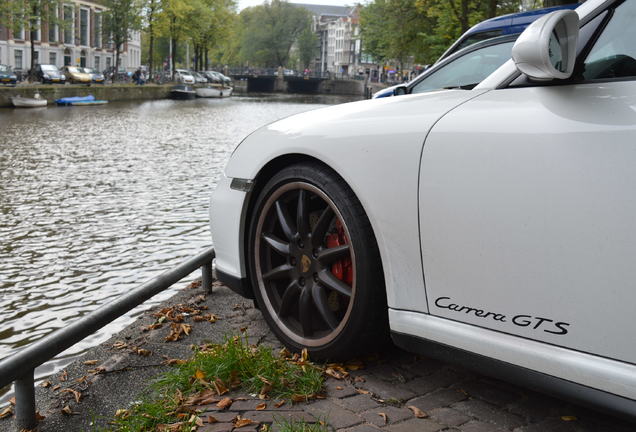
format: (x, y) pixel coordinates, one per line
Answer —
(76, 37)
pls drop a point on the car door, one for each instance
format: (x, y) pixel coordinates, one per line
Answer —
(527, 205)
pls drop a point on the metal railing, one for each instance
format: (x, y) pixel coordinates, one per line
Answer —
(20, 367)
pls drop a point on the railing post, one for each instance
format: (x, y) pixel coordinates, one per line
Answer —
(25, 402)
(206, 276)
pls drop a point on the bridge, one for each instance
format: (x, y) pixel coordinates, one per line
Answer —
(287, 81)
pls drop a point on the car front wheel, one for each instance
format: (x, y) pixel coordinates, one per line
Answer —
(315, 266)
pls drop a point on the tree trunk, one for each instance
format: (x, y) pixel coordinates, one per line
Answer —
(548, 3)
(32, 35)
(151, 53)
(174, 56)
(492, 8)
(207, 64)
(116, 71)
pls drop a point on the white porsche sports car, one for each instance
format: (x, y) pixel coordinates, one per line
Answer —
(494, 226)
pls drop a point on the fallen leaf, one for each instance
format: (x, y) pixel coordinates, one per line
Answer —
(186, 329)
(82, 379)
(279, 404)
(63, 375)
(211, 419)
(123, 413)
(299, 398)
(91, 362)
(417, 412)
(384, 417)
(75, 393)
(199, 299)
(143, 352)
(204, 397)
(363, 391)
(339, 388)
(242, 422)
(568, 418)
(38, 416)
(120, 345)
(304, 355)
(45, 384)
(12, 401)
(172, 427)
(56, 387)
(359, 379)
(68, 411)
(354, 365)
(334, 374)
(199, 374)
(220, 387)
(224, 403)
(196, 420)
(261, 406)
(97, 370)
(169, 361)
(7, 412)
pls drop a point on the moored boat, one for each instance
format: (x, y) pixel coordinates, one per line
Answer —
(213, 92)
(24, 102)
(80, 101)
(182, 91)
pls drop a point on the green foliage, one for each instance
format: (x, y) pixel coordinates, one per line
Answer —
(307, 47)
(268, 32)
(120, 19)
(291, 425)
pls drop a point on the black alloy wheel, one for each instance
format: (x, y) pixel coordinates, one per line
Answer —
(315, 267)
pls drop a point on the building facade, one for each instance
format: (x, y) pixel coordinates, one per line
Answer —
(75, 38)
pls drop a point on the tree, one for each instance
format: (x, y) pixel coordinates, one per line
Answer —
(28, 15)
(120, 19)
(307, 47)
(270, 30)
(152, 9)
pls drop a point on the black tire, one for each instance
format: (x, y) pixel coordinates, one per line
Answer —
(331, 298)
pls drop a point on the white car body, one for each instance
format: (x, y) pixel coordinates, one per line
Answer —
(184, 76)
(504, 219)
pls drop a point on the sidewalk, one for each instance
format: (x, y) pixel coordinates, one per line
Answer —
(447, 398)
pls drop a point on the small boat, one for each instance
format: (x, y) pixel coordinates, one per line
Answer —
(182, 91)
(213, 92)
(24, 102)
(80, 101)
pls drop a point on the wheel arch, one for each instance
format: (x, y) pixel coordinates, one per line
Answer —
(266, 172)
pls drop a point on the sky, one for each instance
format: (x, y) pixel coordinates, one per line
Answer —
(242, 4)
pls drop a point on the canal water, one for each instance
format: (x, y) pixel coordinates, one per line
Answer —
(96, 200)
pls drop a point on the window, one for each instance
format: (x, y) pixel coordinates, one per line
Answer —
(614, 53)
(67, 57)
(17, 55)
(53, 28)
(96, 63)
(68, 24)
(107, 62)
(53, 58)
(84, 27)
(471, 68)
(18, 33)
(36, 57)
(83, 58)
(98, 29)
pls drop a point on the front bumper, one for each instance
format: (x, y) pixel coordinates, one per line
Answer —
(228, 208)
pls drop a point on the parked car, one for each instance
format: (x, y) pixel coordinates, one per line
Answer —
(198, 77)
(76, 75)
(96, 76)
(183, 76)
(6, 75)
(49, 74)
(491, 29)
(492, 226)
(217, 77)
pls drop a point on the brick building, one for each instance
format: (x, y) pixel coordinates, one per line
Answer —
(80, 41)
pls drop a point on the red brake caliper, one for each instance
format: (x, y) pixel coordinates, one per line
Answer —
(341, 269)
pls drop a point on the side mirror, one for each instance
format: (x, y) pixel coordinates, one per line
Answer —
(546, 50)
(399, 90)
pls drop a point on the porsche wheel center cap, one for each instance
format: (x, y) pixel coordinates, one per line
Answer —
(305, 264)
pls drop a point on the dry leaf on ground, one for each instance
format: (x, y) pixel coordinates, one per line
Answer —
(568, 418)
(279, 404)
(77, 395)
(68, 411)
(91, 362)
(7, 412)
(384, 417)
(224, 403)
(261, 406)
(211, 419)
(417, 412)
(242, 422)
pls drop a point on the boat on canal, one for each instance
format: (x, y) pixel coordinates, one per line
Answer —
(36, 101)
(80, 101)
(182, 92)
(211, 91)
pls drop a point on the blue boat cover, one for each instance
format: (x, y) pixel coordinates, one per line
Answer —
(68, 100)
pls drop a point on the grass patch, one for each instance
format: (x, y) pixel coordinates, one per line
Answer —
(285, 425)
(213, 371)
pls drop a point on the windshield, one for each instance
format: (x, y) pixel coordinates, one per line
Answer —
(48, 68)
(89, 70)
(73, 69)
(469, 69)
(5, 68)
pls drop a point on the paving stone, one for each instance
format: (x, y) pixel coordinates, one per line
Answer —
(216, 427)
(415, 425)
(478, 426)
(421, 366)
(489, 413)
(534, 407)
(361, 428)
(333, 414)
(339, 389)
(250, 405)
(448, 416)
(386, 372)
(490, 391)
(437, 399)
(440, 378)
(220, 416)
(270, 416)
(358, 403)
(385, 390)
(393, 415)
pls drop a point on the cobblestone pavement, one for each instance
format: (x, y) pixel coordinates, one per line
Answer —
(383, 396)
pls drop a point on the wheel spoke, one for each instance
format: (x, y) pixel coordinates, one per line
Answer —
(330, 281)
(285, 221)
(320, 299)
(322, 225)
(277, 244)
(304, 311)
(328, 256)
(280, 272)
(302, 219)
(289, 297)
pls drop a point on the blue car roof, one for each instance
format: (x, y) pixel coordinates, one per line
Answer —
(515, 23)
